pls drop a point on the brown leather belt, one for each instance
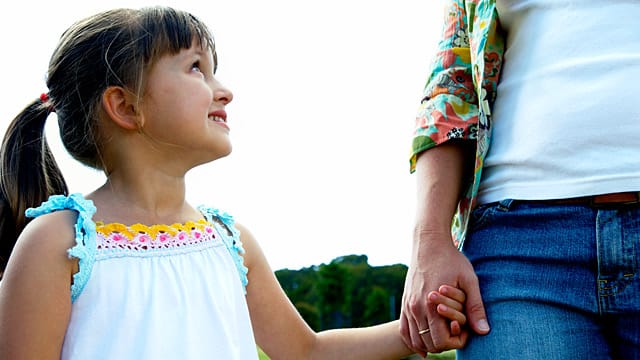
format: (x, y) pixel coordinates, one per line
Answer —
(605, 200)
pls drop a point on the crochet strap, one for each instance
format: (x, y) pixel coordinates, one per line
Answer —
(231, 237)
(85, 234)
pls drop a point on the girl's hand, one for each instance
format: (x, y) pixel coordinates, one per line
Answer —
(449, 302)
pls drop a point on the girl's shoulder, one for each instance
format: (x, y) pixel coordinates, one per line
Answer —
(68, 217)
(39, 258)
(66, 222)
(52, 231)
(56, 219)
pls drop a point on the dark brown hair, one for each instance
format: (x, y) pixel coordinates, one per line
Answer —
(112, 48)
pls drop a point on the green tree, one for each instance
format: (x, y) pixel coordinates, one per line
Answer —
(359, 280)
(310, 314)
(376, 306)
(333, 288)
(345, 292)
(391, 278)
(300, 285)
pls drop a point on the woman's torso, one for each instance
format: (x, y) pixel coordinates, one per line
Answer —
(565, 122)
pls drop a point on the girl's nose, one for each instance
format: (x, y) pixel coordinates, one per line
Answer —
(222, 94)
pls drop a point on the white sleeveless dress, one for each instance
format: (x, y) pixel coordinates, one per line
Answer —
(156, 292)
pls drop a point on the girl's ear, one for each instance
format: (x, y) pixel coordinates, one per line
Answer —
(121, 106)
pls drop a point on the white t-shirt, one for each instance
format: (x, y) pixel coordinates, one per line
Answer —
(566, 121)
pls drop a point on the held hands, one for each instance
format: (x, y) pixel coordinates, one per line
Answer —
(443, 310)
(449, 303)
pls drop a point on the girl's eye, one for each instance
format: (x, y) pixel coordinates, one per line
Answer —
(196, 67)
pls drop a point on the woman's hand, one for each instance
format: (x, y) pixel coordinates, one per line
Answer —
(444, 310)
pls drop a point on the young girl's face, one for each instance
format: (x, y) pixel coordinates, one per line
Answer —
(184, 107)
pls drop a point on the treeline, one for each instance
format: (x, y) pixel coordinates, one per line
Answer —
(347, 292)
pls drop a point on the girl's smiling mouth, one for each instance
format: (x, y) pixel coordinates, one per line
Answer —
(219, 117)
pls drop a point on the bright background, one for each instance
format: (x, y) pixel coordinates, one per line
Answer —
(325, 96)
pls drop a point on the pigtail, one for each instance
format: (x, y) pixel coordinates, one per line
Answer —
(28, 173)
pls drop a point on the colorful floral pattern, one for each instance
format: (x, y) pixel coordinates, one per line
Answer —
(458, 96)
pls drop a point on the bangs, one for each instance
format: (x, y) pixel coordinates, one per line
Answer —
(167, 31)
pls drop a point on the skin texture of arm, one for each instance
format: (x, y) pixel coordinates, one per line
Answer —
(435, 260)
(282, 333)
(35, 300)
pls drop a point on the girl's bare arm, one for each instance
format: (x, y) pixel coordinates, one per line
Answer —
(35, 300)
(282, 333)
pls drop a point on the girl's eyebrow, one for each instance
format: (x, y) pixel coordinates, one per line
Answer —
(199, 50)
(190, 52)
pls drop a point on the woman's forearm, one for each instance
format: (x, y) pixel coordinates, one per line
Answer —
(439, 176)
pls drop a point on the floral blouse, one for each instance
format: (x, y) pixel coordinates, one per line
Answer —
(460, 91)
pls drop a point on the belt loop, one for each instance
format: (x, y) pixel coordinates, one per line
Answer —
(506, 204)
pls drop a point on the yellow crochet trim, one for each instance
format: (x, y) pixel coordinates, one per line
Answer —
(131, 231)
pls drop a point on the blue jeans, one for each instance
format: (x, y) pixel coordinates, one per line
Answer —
(557, 281)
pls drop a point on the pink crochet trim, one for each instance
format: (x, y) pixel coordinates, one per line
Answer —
(141, 237)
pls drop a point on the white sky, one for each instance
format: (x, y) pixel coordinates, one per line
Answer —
(325, 95)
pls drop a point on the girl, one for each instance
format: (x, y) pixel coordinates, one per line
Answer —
(135, 96)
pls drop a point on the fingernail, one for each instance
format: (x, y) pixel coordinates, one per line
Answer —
(483, 325)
